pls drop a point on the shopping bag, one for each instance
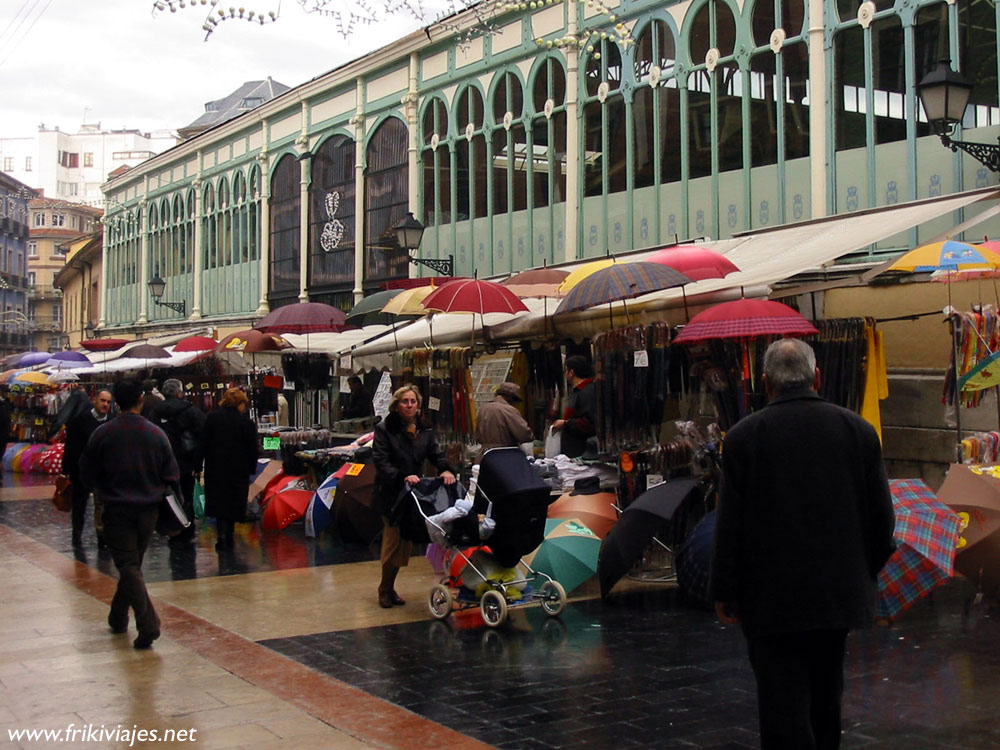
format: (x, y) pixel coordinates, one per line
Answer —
(62, 497)
(199, 500)
(553, 443)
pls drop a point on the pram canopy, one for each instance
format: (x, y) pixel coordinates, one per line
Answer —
(520, 501)
(431, 496)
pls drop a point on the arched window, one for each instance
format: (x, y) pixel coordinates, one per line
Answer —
(209, 222)
(656, 112)
(605, 163)
(253, 214)
(331, 227)
(470, 155)
(386, 199)
(510, 183)
(436, 158)
(285, 221)
(548, 135)
(225, 225)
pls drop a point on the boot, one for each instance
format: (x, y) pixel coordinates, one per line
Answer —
(386, 595)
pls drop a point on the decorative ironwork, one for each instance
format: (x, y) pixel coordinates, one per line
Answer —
(444, 266)
(180, 307)
(987, 154)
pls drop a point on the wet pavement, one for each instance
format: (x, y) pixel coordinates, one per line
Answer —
(647, 669)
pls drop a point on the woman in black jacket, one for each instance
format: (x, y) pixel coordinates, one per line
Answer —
(401, 446)
(229, 446)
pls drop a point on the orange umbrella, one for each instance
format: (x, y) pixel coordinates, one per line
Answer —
(596, 511)
(285, 502)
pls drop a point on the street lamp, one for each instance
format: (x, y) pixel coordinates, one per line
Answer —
(156, 288)
(409, 232)
(944, 94)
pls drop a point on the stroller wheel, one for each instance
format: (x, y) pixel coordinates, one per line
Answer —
(553, 597)
(439, 601)
(493, 605)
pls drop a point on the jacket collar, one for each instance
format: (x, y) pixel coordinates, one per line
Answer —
(796, 394)
(583, 384)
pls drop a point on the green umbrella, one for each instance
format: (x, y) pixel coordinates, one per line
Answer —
(568, 553)
(369, 310)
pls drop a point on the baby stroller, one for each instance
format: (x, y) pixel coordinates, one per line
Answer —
(510, 493)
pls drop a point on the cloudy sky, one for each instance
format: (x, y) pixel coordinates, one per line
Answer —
(113, 62)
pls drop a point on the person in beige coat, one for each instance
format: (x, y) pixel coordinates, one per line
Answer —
(499, 424)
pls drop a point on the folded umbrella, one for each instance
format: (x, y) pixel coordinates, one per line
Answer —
(693, 561)
(318, 514)
(973, 492)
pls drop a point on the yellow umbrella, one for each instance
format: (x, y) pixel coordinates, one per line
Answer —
(949, 255)
(583, 272)
(31, 376)
(409, 301)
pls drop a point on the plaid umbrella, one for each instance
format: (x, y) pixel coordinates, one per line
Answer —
(620, 282)
(745, 318)
(926, 535)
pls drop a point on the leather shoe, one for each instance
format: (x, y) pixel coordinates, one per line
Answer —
(145, 640)
(118, 626)
(385, 599)
(396, 598)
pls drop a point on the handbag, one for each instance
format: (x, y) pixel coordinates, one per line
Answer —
(62, 497)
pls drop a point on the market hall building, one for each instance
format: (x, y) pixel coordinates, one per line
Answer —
(552, 132)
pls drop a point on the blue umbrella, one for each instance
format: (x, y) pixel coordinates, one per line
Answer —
(318, 514)
(29, 359)
(694, 560)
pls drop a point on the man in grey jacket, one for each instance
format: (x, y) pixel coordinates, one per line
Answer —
(499, 424)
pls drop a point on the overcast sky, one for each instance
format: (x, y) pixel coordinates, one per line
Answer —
(111, 61)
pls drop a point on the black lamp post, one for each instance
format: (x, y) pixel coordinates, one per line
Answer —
(945, 94)
(409, 232)
(156, 288)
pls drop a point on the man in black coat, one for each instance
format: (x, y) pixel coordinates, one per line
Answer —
(183, 423)
(804, 525)
(578, 422)
(78, 431)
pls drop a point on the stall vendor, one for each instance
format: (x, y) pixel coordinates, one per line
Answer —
(499, 424)
(577, 423)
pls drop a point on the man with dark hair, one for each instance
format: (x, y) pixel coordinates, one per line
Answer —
(78, 431)
(151, 398)
(358, 403)
(131, 467)
(804, 526)
(183, 423)
(577, 424)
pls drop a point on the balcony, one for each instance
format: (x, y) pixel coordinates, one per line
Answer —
(45, 324)
(44, 291)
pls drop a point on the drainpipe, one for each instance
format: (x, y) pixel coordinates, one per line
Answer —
(572, 138)
(818, 156)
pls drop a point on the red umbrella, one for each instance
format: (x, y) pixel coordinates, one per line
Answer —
(304, 317)
(473, 296)
(196, 344)
(745, 318)
(285, 502)
(104, 345)
(251, 342)
(536, 276)
(694, 261)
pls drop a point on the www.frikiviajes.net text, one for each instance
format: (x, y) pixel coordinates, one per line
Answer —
(92, 733)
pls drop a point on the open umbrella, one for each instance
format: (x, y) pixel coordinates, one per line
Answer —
(537, 282)
(252, 341)
(745, 318)
(620, 282)
(596, 511)
(318, 514)
(352, 503)
(30, 377)
(369, 310)
(693, 561)
(303, 317)
(973, 492)
(68, 359)
(29, 359)
(63, 376)
(926, 535)
(473, 296)
(103, 345)
(196, 344)
(147, 351)
(694, 261)
(286, 502)
(568, 552)
(639, 522)
(579, 274)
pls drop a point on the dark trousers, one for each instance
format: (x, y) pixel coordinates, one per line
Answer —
(128, 528)
(800, 682)
(78, 512)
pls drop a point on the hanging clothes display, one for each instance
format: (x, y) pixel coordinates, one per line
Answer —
(978, 337)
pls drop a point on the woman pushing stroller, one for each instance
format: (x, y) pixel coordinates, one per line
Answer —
(402, 443)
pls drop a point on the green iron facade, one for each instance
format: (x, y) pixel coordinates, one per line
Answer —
(524, 147)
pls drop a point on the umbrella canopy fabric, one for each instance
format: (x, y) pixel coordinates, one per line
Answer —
(410, 301)
(596, 511)
(318, 514)
(353, 516)
(535, 290)
(985, 374)
(568, 552)
(286, 501)
(693, 561)
(103, 345)
(251, 342)
(946, 256)
(70, 357)
(638, 524)
(147, 351)
(926, 535)
(29, 359)
(30, 377)
(579, 274)
(473, 296)
(745, 318)
(63, 376)
(51, 460)
(196, 344)
(533, 276)
(369, 310)
(973, 492)
(303, 317)
(694, 261)
(618, 282)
